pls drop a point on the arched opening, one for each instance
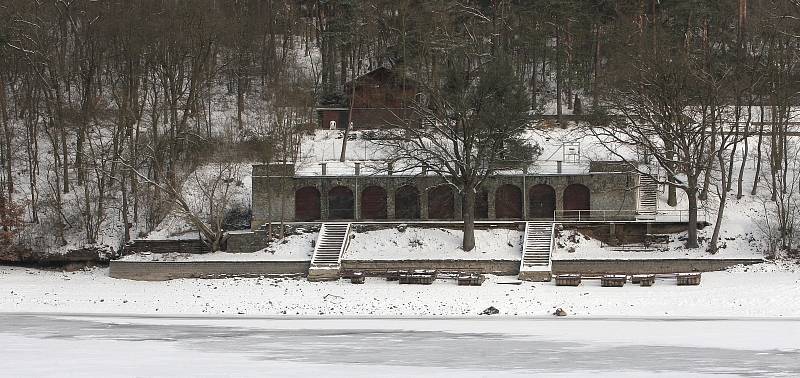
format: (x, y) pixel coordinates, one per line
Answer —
(508, 202)
(482, 204)
(406, 203)
(441, 204)
(576, 201)
(340, 203)
(373, 203)
(542, 201)
(306, 204)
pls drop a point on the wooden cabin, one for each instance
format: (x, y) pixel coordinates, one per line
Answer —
(378, 99)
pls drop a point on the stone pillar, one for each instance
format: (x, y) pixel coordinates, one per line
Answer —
(612, 233)
(559, 189)
(525, 193)
(323, 201)
(390, 189)
(357, 201)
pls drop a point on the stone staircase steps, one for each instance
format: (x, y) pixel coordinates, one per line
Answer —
(332, 241)
(536, 250)
(648, 196)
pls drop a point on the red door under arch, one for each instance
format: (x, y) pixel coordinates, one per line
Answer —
(542, 201)
(406, 203)
(340, 203)
(441, 204)
(306, 204)
(577, 199)
(508, 202)
(373, 203)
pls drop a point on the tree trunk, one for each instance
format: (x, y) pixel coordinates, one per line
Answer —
(691, 241)
(240, 83)
(533, 84)
(558, 80)
(740, 181)
(595, 90)
(468, 215)
(758, 151)
(6, 142)
(712, 246)
(725, 182)
(672, 195)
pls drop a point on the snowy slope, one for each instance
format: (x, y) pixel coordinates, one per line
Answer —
(434, 243)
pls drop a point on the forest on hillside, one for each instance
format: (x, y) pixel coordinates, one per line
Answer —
(108, 108)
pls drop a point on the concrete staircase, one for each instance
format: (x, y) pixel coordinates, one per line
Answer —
(648, 197)
(332, 241)
(536, 250)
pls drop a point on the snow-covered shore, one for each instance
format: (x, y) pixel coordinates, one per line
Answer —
(765, 290)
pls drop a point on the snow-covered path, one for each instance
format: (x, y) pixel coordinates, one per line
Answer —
(758, 291)
(84, 345)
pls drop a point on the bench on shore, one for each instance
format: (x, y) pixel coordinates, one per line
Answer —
(568, 280)
(357, 278)
(643, 279)
(613, 280)
(418, 277)
(688, 279)
(470, 279)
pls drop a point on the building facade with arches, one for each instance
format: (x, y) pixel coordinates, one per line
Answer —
(280, 194)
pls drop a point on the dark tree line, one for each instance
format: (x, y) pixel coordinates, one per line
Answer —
(99, 100)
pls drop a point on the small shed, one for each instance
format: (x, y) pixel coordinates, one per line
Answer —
(380, 98)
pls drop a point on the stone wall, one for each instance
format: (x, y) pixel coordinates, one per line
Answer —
(167, 270)
(379, 267)
(244, 242)
(646, 266)
(166, 246)
(273, 196)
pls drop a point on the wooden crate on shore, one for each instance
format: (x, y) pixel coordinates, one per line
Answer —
(394, 275)
(613, 280)
(643, 279)
(418, 277)
(357, 278)
(688, 279)
(568, 280)
(470, 279)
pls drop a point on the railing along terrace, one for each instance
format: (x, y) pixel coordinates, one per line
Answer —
(670, 215)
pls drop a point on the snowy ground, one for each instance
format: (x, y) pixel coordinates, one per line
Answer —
(573, 245)
(293, 248)
(434, 243)
(82, 345)
(766, 290)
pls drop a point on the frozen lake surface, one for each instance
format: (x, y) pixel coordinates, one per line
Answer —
(90, 345)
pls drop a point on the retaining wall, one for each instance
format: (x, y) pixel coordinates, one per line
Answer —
(646, 266)
(379, 267)
(166, 246)
(243, 242)
(167, 270)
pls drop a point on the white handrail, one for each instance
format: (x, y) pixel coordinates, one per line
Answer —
(607, 215)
